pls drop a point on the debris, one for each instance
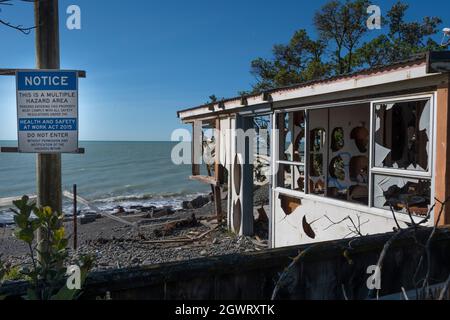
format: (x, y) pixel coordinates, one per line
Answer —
(169, 228)
(180, 239)
(162, 212)
(262, 215)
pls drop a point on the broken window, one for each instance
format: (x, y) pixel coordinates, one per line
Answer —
(261, 163)
(291, 165)
(402, 194)
(402, 135)
(340, 148)
(402, 141)
(317, 139)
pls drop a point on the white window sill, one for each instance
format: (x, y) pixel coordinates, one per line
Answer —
(401, 217)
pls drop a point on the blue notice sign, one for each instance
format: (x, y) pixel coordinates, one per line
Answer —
(50, 80)
(47, 111)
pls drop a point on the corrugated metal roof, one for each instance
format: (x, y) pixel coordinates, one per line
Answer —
(413, 60)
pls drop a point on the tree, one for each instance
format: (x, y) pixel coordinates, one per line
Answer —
(403, 39)
(342, 27)
(24, 30)
(344, 24)
(299, 60)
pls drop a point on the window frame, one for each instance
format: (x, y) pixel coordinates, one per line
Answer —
(403, 173)
(370, 209)
(292, 164)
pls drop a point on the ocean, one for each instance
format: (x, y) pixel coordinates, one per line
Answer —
(110, 174)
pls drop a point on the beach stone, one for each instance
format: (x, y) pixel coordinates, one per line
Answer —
(119, 210)
(197, 203)
(88, 218)
(165, 211)
(135, 260)
(147, 209)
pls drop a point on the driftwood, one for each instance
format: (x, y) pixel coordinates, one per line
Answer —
(181, 240)
(170, 227)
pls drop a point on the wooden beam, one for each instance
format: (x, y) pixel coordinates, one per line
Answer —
(204, 179)
(218, 171)
(12, 72)
(197, 147)
(442, 179)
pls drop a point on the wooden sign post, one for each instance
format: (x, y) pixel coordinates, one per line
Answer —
(48, 166)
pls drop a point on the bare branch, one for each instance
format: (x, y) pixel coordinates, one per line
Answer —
(354, 229)
(445, 289)
(24, 30)
(21, 28)
(285, 277)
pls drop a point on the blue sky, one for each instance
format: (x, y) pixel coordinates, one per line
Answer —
(147, 59)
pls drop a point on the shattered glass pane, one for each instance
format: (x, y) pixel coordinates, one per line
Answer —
(286, 137)
(299, 136)
(401, 193)
(292, 149)
(402, 137)
(299, 178)
(317, 139)
(285, 176)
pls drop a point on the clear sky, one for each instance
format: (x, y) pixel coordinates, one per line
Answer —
(146, 59)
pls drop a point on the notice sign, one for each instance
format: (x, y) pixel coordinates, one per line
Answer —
(47, 111)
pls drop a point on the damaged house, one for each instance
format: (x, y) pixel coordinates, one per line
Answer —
(345, 154)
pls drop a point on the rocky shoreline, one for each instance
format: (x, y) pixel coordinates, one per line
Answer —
(150, 236)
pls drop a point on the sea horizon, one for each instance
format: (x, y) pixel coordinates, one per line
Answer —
(109, 174)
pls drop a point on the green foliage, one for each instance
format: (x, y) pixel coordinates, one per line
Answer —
(403, 39)
(2, 272)
(342, 27)
(48, 273)
(343, 24)
(13, 274)
(300, 60)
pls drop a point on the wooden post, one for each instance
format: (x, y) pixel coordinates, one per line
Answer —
(75, 218)
(48, 166)
(217, 192)
(442, 178)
